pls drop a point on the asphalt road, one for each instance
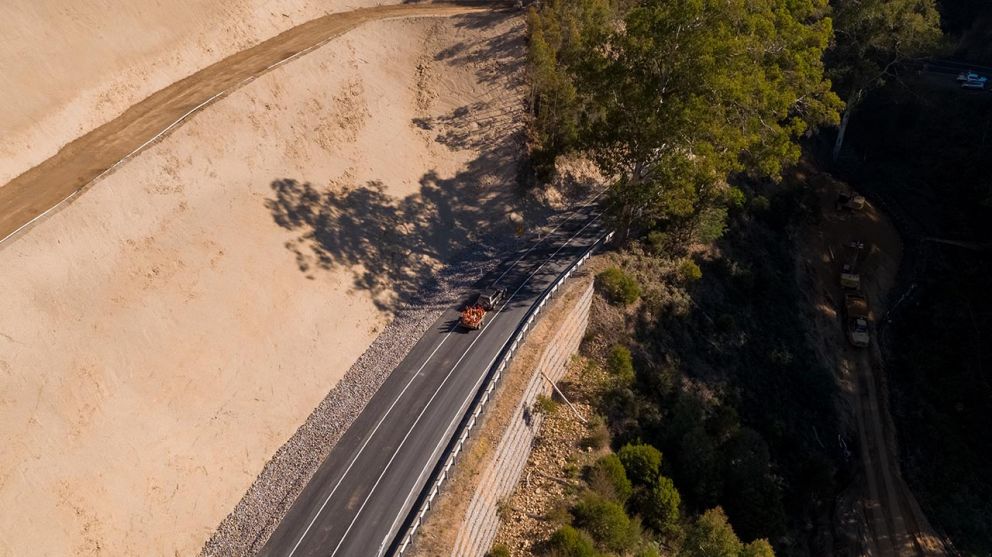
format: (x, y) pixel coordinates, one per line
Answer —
(361, 495)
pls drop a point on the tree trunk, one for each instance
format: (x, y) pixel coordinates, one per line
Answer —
(841, 131)
(853, 100)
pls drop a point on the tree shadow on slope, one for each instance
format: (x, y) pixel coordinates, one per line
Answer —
(396, 244)
(495, 57)
(477, 125)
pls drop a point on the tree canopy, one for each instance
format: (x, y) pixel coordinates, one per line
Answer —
(712, 536)
(680, 94)
(872, 39)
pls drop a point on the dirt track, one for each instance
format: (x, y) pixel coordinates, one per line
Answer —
(75, 166)
(895, 523)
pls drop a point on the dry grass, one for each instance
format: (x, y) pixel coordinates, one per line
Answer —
(438, 534)
(551, 479)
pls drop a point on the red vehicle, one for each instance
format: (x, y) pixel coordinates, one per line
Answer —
(473, 315)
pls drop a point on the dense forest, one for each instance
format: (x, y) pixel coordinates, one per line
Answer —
(923, 150)
(698, 113)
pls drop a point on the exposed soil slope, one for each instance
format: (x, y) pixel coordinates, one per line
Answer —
(164, 334)
(39, 189)
(69, 67)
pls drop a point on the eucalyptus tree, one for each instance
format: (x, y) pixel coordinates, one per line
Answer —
(873, 39)
(686, 92)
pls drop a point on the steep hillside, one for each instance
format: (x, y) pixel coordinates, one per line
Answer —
(174, 326)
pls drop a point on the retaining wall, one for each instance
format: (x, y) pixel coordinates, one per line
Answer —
(478, 527)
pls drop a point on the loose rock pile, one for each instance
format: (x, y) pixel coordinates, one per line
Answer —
(552, 476)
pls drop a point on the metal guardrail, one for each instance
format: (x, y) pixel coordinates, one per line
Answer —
(482, 397)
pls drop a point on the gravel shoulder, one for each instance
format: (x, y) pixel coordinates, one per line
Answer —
(175, 325)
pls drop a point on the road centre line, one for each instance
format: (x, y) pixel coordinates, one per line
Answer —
(548, 235)
(475, 389)
(415, 375)
(438, 390)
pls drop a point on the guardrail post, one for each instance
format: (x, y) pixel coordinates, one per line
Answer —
(486, 390)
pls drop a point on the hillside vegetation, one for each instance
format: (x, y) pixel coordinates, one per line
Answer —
(924, 152)
(697, 112)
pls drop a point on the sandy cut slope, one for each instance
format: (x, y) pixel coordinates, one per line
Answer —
(164, 334)
(68, 67)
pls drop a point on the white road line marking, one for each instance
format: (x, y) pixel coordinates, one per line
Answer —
(364, 444)
(548, 235)
(461, 410)
(410, 382)
(441, 386)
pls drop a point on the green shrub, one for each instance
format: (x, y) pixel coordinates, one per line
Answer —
(608, 478)
(620, 364)
(711, 536)
(545, 405)
(598, 437)
(689, 271)
(735, 197)
(642, 463)
(617, 286)
(660, 507)
(569, 542)
(571, 469)
(760, 204)
(657, 241)
(559, 513)
(648, 551)
(504, 509)
(499, 550)
(712, 225)
(608, 523)
(758, 548)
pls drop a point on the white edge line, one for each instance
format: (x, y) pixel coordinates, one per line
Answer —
(365, 444)
(398, 397)
(464, 435)
(461, 412)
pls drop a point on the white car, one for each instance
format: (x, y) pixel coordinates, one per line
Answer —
(971, 76)
(978, 84)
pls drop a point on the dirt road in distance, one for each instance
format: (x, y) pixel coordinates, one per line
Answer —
(57, 180)
(896, 525)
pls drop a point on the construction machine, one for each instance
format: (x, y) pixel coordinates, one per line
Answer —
(850, 275)
(849, 202)
(856, 318)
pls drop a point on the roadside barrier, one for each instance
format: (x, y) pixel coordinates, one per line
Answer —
(482, 397)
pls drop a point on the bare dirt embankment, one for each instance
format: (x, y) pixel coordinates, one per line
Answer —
(33, 193)
(164, 334)
(885, 519)
(68, 67)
